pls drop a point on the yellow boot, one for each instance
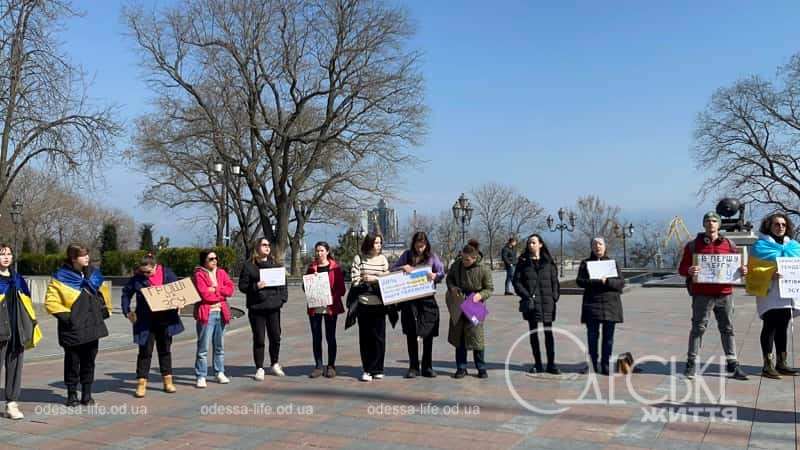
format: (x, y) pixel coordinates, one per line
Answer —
(141, 388)
(168, 385)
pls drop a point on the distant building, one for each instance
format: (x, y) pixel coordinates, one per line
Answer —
(383, 220)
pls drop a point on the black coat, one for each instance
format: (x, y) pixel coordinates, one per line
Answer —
(509, 255)
(272, 297)
(538, 288)
(601, 302)
(420, 317)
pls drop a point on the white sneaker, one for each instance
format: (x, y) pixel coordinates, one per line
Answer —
(201, 383)
(366, 377)
(277, 370)
(222, 379)
(259, 376)
(13, 412)
(378, 376)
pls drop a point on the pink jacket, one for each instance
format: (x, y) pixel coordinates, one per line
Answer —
(202, 280)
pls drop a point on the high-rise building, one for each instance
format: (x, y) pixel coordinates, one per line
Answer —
(383, 220)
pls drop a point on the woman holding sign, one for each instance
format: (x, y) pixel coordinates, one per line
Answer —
(151, 328)
(212, 314)
(77, 298)
(420, 317)
(264, 303)
(776, 312)
(324, 263)
(602, 305)
(364, 273)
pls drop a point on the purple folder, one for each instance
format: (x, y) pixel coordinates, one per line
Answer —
(475, 312)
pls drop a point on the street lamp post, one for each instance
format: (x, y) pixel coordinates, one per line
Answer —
(562, 227)
(226, 172)
(462, 211)
(356, 236)
(16, 219)
(624, 232)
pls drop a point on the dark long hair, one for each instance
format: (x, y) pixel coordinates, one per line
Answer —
(766, 225)
(75, 250)
(327, 247)
(369, 244)
(254, 257)
(426, 254)
(543, 252)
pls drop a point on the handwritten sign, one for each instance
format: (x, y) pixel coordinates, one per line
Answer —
(602, 269)
(318, 290)
(273, 277)
(718, 268)
(400, 286)
(789, 283)
(171, 295)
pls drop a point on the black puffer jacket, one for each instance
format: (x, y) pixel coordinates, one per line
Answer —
(536, 283)
(601, 302)
(261, 299)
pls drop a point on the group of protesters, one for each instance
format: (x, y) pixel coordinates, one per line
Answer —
(80, 301)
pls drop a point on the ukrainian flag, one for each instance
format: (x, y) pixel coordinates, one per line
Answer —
(29, 317)
(762, 263)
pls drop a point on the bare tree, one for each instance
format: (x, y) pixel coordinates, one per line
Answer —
(525, 216)
(594, 217)
(317, 101)
(493, 208)
(46, 119)
(445, 237)
(746, 141)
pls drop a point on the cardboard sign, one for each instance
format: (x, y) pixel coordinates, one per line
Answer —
(602, 269)
(273, 277)
(318, 290)
(400, 286)
(789, 282)
(172, 295)
(718, 268)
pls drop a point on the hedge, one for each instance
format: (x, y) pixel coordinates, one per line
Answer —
(182, 260)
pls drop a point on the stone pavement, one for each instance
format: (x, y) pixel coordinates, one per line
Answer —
(442, 413)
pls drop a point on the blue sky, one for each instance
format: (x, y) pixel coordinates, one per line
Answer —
(560, 99)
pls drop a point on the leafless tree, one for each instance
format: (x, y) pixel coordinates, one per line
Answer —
(594, 217)
(525, 217)
(746, 141)
(46, 119)
(317, 100)
(446, 237)
(492, 203)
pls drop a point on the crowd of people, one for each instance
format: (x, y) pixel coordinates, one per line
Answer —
(80, 302)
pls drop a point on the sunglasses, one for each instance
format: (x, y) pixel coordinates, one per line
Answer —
(213, 258)
(779, 224)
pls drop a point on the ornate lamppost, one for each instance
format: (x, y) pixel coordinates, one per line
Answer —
(562, 227)
(462, 212)
(624, 232)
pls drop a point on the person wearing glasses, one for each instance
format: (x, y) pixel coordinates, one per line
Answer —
(776, 312)
(212, 313)
(263, 307)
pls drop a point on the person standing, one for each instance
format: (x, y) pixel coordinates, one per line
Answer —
(708, 297)
(364, 273)
(536, 283)
(420, 317)
(468, 280)
(325, 263)
(81, 304)
(151, 328)
(264, 305)
(509, 256)
(775, 311)
(601, 307)
(18, 329)
(212, 314)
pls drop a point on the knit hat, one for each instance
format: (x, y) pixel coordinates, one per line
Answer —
(712, 215)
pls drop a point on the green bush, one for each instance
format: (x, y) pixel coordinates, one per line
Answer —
(183, 260)
(38, 264)
(118, 263)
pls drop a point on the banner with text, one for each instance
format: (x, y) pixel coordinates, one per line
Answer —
(171, 295)
(400, 286)
(718, 268)
(789, 282)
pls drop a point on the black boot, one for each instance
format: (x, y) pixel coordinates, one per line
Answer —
(783, 367)
(86, 394)
(72, 396)
(552, 368)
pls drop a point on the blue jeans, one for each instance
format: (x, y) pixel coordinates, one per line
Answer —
(593, 335)
(510, 278)
(212, 331)
(461, 357)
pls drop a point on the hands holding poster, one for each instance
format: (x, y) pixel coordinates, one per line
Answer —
(602, 269)
(718, 268)
(401, 286)
(789, 281)
(273, 277)
(172, 295)
(318, 290)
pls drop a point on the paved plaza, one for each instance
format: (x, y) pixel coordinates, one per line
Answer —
(441, 413)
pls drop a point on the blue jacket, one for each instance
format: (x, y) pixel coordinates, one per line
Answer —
(146, 319)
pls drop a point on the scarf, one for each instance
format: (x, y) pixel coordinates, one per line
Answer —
(762, 263)
(77, 281)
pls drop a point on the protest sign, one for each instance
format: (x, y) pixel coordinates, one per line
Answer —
(400, 286)
(789, 283)
(273, 277)
(718, 268)
(602, 269)
(171, 295)
(317, 287)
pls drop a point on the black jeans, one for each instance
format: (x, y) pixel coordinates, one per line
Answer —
(413, 352)
(163, 343)
(593, 335)
(79, 364)
(11, 359)
(372, 337)
(265, 323)
(549, 341)
(330, 337)
(774, 326)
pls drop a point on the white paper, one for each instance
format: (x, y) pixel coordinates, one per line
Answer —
(400, 286)
(789, 283)
(273, 277)
(317, 287)
(602, 269)
(718, 268)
